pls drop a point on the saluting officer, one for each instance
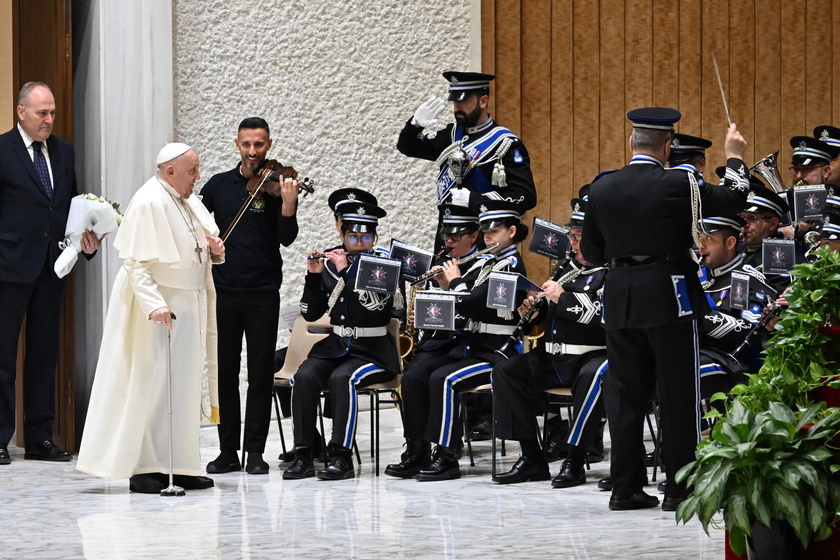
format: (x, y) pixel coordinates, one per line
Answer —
(478, 158)
(652, 297)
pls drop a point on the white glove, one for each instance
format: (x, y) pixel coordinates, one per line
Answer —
(460, 196)
(427, 113)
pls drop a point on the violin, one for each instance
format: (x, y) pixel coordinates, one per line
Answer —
(269, 179)
(270, 176)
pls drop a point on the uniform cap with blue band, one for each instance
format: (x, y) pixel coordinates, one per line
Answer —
(828, 134)
(493, 213)
(455, 219)
(811, 151)
(360, 217)
(655, 118)
(463, 84)
(765, 200)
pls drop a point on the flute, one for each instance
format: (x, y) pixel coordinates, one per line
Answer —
(425, 276)
(325, 256)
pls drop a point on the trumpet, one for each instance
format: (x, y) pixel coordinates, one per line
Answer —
(513, 339)
(426, 275)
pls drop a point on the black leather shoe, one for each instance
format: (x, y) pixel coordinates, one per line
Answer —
(226, 462)
(444, 466)
(524, 470)
(605, 484)
(558, 431)
(5, 458)
(639, 500)
(190, 482)
(670, 503)
(481, 431)
(339, 468)
(150, 483)
(662, 486)
(255, 464)
(415, 458)
(46, 451)
(302, 466)
(570, 475)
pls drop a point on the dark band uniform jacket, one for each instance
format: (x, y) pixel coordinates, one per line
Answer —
(724, 328)
(472, 344)
(442, 340)
(350, 311)
(574, 319)
(520, 190)
(652, 255)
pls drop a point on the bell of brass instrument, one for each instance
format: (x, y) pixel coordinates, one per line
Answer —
(767, 169)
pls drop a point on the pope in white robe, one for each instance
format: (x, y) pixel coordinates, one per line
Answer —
(167, 242)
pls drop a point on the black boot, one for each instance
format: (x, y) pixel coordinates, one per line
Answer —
(302, 467)
(557, 433)
(444, 466)
(340, 466)
(415, 457)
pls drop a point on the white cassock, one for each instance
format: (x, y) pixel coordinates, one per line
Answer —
(126, 429)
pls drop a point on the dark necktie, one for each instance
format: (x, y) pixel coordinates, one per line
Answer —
(41, 168)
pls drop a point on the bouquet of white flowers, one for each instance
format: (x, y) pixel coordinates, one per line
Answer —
(87, 212)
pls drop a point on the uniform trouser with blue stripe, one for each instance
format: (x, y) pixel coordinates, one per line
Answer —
(662, 358)
(343, 377)
(446, 383)
(715, 378)
(518, 388)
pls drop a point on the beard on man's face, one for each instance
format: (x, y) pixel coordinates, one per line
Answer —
(470, 119)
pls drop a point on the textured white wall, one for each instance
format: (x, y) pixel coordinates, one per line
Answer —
(336, 81)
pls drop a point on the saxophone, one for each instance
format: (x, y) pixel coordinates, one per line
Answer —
(408, 338)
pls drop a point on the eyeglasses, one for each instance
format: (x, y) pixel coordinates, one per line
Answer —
(803, 169)
(356, 239)
(453, 236)
(575, 236)
(753, 219)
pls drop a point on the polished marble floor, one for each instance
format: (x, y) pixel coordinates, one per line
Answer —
(50, 510)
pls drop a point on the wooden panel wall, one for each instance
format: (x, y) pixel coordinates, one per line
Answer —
(569, 70)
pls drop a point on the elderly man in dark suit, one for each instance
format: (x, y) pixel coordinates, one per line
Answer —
(37, 181)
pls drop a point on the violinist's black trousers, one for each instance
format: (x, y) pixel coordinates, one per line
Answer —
(254, 314)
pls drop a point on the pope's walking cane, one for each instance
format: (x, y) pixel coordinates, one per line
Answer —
(171, 490)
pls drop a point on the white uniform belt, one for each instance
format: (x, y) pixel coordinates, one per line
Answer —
(191, 278)
(489, 328)
(575, 349)
(359, 332)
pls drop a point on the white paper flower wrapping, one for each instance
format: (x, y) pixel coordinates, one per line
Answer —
(85, 214)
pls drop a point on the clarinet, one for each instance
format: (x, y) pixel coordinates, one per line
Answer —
(775, 311)
(513, 339)
(425, 276)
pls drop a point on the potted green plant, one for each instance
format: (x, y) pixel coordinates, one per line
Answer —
(772, 458)
(777, 464)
